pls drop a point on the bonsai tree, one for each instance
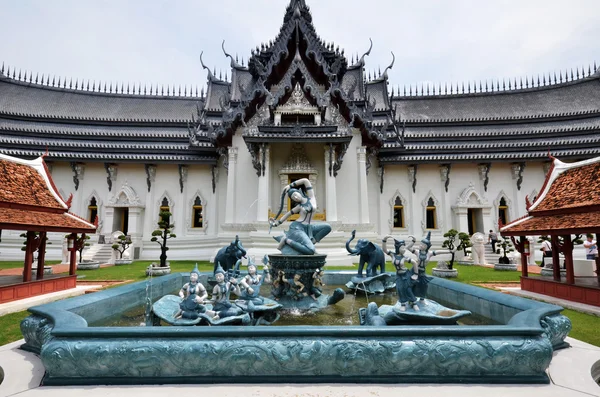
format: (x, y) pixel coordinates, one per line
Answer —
(121, 245)
(464, 242)
(449, 243)
(506, 247)
(162, 234)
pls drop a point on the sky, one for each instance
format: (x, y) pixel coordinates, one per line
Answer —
(159, 41)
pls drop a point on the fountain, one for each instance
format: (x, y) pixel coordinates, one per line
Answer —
(298, 268)
(518, 348)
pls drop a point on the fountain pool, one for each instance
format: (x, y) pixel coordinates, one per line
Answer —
(517, 349)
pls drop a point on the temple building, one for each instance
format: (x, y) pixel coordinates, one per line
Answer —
(382, 161)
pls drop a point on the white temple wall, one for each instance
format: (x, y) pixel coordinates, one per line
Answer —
(348, 189)
(246, 189)
(202, 243)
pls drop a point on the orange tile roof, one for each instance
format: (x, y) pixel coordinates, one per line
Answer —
(17, 219)
(23, 184)
(584, 222)
(575, 187)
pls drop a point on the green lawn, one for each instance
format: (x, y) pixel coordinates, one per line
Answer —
(10, 325)
(585, 326)
(19, 264)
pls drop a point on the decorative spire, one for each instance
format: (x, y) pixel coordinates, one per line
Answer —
(234, 63)
(361, 62)
(211, 75)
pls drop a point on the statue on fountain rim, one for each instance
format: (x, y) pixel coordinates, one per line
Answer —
(424, 255)
(405, 280)
(192, 296)
(301, 237)
(220, 294)
(253, 281)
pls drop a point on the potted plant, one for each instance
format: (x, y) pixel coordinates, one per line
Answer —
(464, 242)
(449, 243)
(160, 236)
(121, 245)
(504, 262)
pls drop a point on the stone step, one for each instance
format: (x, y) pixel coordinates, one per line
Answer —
(98, 253)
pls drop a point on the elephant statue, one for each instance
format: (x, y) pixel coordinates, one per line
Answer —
(369, 253)
(228, 256)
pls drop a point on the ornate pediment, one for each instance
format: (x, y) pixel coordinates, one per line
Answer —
(297, 103)
(471, 198)
(125, 197)
(298, 163)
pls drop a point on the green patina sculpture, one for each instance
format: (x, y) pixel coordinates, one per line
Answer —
(301, 237)
(369, 253)
(405, 279)
(228, 256)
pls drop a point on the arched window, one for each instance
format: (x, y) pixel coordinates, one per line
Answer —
(398, 213)
(431, 215)
(165, 211)
(92, 210)
(503, 211)
(197, 220)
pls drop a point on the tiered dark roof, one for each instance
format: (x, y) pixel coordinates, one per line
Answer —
(516, 125)
(78, 125)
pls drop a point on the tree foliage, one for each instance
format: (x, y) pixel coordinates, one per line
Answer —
(121, 245)
(162, 234)
(506, 246)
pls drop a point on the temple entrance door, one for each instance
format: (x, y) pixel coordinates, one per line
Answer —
(475, 220)
(121, 219)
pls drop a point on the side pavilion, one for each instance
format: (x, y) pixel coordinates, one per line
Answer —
(29, 201)
(567, 208)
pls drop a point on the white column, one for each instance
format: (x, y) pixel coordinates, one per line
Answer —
(414, 205)
(516, 202)
(230, 202)
(263, 187)
(444, 174)
(330, 190)
(180, 223)
(363, 197)
(136, 217)
(462, 219)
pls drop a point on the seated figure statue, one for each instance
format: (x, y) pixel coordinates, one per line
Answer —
(192, 296)
(318, 284)
(301, 237)
(253, 281)
(220, 295)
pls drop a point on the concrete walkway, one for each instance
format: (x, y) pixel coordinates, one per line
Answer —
(24, 304)
(580, 307)
(570, 374)
(56, 269)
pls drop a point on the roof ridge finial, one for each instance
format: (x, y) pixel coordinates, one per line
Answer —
(361, 61)
(211, 76)
(385, 75)
(234, 63)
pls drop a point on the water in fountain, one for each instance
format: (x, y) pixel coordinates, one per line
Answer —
(148, 302)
